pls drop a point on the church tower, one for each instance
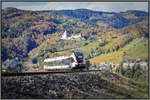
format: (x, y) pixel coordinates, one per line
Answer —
(65, 35)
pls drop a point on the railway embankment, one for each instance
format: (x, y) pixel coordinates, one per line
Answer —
(69, 85)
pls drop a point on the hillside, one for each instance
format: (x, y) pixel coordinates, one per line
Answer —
(74, 86)
(135, 50)
(131, 45)
(117, 42)
(36, 34)
(115, 20)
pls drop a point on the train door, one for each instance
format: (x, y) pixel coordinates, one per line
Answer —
(47, 65)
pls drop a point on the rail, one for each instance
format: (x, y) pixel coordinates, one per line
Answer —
(6, 74)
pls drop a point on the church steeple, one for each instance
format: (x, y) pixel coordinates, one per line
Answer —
(65, 35)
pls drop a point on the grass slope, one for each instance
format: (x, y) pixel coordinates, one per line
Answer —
(136, 49)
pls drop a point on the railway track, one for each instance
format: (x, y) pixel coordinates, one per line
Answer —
(5, 74)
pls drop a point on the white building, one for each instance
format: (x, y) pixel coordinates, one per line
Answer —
(65, 36)
(143, 64)
(76, 37)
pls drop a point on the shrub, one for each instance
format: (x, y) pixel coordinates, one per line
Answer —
(34, 60)
(85, 44)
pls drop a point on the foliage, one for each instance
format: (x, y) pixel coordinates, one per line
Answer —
(131, 51)
(37, 33)
(135, 72)
(34, 60)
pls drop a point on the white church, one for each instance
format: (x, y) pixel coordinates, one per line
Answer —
(67, 36)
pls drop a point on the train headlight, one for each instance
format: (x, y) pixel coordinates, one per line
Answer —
(74, 64)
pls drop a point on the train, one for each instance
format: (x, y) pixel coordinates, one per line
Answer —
(76, 60)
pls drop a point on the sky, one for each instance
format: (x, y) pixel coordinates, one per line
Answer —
(97, 6)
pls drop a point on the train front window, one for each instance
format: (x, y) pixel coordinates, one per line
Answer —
(79, 56)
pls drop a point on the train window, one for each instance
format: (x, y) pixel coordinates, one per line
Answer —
(63, 62)
(45, 63)
(50, 63)
(66, 61)
(79, 56)
(71, 60)
(54, 63)
(57, 63)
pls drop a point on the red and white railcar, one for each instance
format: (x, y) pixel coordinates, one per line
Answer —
(76, 60)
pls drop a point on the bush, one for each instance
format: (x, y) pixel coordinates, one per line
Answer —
(53, 50)
(129, 74)
(134, 73)
(85, 44)
(103, 44)
(34, 60)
